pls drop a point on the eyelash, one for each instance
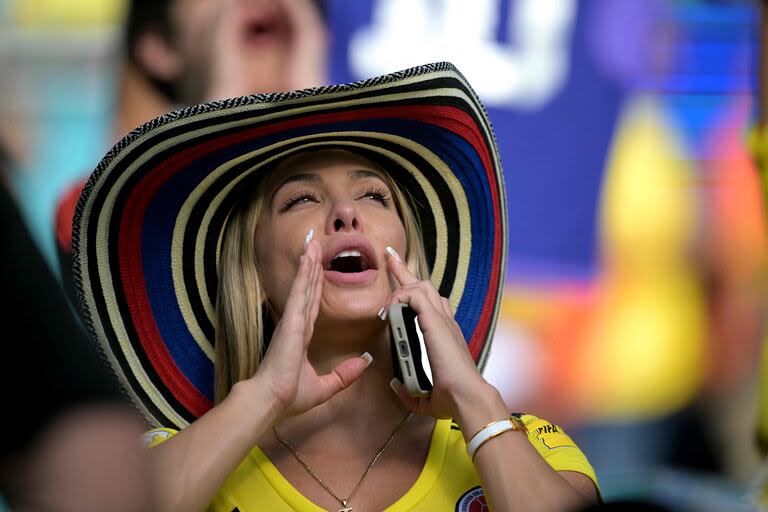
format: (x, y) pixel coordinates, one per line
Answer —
(377, 194)
(297, 198)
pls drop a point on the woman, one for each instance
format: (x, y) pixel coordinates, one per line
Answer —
(293, 207)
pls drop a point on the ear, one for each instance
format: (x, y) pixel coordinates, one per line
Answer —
(157, 57)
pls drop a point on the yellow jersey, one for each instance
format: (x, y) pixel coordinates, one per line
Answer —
(448, 480)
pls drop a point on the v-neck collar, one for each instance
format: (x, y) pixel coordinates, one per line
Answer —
(423, 484)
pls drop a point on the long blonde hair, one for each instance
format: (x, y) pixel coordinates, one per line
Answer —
(242, 309)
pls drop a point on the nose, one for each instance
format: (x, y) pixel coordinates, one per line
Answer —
(343, 217)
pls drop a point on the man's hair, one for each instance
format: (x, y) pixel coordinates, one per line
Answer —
(144, 16)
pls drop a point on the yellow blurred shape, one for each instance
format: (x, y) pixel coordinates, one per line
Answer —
(648, 209)
(646, 356)
(72, 13)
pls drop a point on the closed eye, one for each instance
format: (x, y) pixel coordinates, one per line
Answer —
(377, 194)
(297, 199)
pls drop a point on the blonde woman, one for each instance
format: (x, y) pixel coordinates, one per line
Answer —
(279, 229)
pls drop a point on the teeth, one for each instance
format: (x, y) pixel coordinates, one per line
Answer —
(348, 254)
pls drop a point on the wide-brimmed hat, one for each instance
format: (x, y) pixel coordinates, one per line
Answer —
(149, 222)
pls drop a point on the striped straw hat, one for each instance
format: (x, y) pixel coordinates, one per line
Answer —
(148, 225)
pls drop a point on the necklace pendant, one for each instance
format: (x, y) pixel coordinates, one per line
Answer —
(345, 508)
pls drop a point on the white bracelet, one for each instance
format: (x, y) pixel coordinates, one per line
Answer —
(489, 432)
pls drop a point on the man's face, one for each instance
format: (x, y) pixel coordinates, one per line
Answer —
(236, 47)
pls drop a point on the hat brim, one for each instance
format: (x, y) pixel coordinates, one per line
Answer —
(148, 225)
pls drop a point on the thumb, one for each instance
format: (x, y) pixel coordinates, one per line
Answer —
(343, 375)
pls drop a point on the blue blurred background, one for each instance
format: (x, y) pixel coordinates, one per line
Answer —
(635, 293)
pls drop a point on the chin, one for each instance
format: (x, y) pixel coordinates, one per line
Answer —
(353, 331)
(350, 312)
(354, 302)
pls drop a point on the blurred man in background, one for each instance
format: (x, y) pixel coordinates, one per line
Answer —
(184, 52)
(71, 440)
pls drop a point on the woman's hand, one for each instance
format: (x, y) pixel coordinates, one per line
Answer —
(285, 370)
(456, 378)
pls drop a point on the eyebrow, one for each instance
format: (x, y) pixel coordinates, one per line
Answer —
(364, 173)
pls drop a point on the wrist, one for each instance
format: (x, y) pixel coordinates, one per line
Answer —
(479, 408)
(254, 395)
(492, 430)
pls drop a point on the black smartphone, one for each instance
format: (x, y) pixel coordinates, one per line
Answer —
(409, 353)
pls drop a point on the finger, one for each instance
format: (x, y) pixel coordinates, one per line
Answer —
(318, 295)
(417, 298)
(411, 403)
(311, 251)
(297, 296)
(430, 292)
(341, 377)
(310, 283)
(313, 308)
(398, 270)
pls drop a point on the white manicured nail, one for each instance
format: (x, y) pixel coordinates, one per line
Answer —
(382, 314)
(368, 358)
(394, 254)
(308, 238)
(393, 384)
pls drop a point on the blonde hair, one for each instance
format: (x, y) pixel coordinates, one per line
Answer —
(241, 305)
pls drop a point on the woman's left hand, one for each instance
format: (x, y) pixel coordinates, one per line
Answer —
(454, 373)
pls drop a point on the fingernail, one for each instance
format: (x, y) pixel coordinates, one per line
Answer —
(382, 314)
(393, 384)
(308, 238)
(368, 358)
(394, 254)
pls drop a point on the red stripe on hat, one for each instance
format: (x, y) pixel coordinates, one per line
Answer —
(129, 246)
(137, 298)
(460, 123)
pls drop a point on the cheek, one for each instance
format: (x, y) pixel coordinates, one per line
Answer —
(276, 263)
(395, 234)
(267, 258)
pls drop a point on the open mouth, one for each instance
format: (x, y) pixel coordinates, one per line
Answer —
(349, 262)
(258, 28)
(258, 31)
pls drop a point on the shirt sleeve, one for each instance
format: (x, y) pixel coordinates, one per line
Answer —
(556, 447)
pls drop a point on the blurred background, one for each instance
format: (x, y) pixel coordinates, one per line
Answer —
(635, 297)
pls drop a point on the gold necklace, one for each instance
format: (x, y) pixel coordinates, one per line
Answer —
(345, 501)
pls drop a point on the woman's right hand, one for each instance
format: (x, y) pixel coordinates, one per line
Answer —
(285, 370)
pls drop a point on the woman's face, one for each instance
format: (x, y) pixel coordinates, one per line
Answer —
(344, 198)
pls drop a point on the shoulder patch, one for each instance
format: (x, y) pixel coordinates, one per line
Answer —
(552, 436)
(546, 434)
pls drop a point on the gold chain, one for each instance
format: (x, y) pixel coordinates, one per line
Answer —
(344, 501)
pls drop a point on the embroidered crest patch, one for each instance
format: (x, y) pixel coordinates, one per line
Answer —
(472, 501)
